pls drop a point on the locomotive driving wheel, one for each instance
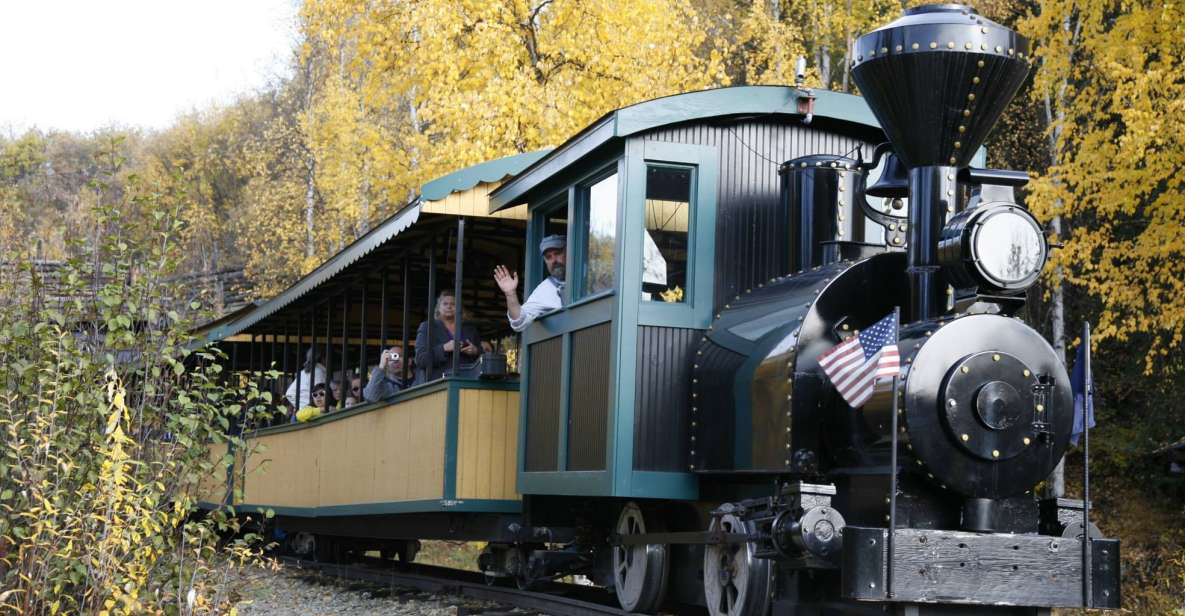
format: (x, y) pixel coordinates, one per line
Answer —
(640, 572)
(736, 583)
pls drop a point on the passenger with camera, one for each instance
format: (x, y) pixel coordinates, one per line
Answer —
(386, 379)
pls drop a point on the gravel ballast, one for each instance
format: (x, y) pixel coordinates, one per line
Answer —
(295, 592)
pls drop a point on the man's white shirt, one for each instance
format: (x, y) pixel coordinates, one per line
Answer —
(544, 299)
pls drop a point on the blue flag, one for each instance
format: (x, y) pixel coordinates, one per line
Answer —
(1083, 392)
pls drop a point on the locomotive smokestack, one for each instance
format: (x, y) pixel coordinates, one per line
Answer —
(937, 79)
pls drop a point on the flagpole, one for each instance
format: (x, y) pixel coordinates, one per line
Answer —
(893, 471)
(1087, 408)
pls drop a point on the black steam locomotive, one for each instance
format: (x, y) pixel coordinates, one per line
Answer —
(923, 497)
(673, 435)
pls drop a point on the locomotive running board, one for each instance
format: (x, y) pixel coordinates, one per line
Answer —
(936, 566)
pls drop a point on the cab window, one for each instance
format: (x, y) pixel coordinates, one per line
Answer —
(665, 248)
(598, 235)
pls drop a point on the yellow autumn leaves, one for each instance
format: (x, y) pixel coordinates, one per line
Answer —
(1111, 73)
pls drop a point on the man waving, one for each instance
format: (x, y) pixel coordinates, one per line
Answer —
(547, 296)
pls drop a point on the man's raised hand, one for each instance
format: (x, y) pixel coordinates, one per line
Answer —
(507, 280)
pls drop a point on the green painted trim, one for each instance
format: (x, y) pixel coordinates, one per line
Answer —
(573, 150)
(566, 483)
(452, 418)
(686, 107)
(489, 171)
(743, 100)
(419, 506)
(625, 338)
(586, 314)
(696, 312)
(652, 484)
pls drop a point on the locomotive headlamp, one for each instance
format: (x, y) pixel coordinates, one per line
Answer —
(997, 248)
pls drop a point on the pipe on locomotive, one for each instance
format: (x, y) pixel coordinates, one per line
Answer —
(937, 80)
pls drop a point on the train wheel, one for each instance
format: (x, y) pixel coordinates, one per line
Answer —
(640, 572)
(736, 583)
(302, 544)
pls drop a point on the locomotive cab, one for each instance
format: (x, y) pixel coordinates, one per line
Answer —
(671, 208)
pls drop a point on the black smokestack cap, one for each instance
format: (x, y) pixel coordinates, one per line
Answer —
(938, 79)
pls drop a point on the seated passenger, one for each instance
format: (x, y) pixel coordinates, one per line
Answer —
(335, 393)
(386, 379)
(547, 296)
(355, 394)
(310, 413)
(312, 372)
(433, 361)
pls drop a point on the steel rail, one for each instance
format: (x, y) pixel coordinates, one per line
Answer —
(551, 598)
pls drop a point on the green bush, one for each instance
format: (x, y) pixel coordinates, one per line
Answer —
(108, 416)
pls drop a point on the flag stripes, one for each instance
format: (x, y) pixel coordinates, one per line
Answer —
(860, 362)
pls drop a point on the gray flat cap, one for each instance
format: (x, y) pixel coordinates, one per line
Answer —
(552, 241)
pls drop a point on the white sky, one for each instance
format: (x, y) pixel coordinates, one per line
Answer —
(78, 65)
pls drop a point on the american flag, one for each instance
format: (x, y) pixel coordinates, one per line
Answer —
(860, 362)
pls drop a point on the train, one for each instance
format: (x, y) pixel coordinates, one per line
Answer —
(671, 431)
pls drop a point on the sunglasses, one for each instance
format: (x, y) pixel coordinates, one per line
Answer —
(319, 394)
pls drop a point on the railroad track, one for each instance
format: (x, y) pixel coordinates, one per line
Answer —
(549, 598)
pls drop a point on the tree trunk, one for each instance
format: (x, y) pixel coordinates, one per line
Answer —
(847, 52)
(1055, 485)
(310, 193)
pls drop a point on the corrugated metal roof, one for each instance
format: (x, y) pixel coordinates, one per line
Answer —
(489, 171)
(675, 109)
(464, 179)
(360, 248)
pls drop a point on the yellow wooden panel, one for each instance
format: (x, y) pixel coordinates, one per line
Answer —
(473, 202)
(281, 470)
(408, 450)
(487, 429)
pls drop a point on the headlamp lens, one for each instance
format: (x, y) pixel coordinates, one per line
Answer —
(1009, 247)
